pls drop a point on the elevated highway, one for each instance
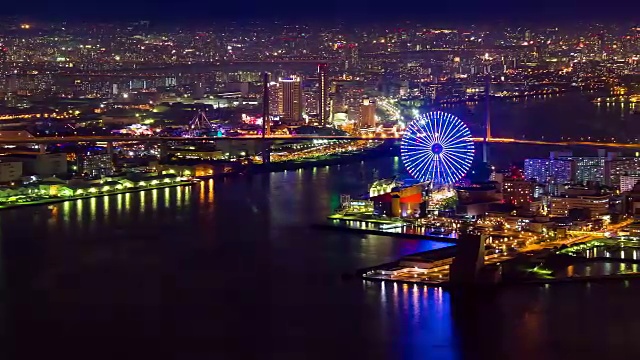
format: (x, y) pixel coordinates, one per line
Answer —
(119, 139)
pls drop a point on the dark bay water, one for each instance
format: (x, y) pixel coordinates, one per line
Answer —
(232, 270)
(552, 117)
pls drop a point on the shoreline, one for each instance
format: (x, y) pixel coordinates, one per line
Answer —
(385, 149)
(250, 170)
(345, 228)
(61, 200)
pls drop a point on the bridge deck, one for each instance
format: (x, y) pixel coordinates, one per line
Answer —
(93, 139)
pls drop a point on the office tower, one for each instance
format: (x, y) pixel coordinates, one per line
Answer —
(368, 113)
(323, 96)
(291, 99)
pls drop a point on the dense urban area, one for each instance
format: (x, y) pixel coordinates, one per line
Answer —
(97, 109)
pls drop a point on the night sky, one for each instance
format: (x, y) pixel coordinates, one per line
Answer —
(361, 11)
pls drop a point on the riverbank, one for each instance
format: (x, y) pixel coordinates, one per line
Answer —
(432, 268)
(346, 228)
(71, 198)
(387, 148)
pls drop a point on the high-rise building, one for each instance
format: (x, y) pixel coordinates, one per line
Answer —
(4, 71)
(291, 105)
(623, 166)
(274, 99)
(323, 94)
(591, 169)
(542, 170)
(368, 113)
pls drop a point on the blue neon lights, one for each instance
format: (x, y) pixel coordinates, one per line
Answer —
(437, 147)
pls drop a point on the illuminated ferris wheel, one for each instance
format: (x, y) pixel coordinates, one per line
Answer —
(437, 147)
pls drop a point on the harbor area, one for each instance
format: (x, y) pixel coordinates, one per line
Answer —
(469, 263)
(398, 207)
(494, 247)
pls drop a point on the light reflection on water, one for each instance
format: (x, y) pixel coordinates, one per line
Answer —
(619, 253)
(598, 268)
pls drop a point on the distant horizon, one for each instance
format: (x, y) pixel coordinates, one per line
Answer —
(351, 24)
(328, 12)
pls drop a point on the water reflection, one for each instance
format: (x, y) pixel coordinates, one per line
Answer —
(599, 268)
(419, 315)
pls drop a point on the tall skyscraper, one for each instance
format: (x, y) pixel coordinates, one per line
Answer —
(323, 96)
(291, 99)
(4, 71)
(266, 118)
(274, 98)
(368, 113)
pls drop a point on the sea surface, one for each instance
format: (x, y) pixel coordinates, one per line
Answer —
(233, 270)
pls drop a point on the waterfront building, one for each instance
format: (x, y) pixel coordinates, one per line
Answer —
(383, 186)
(95, 165)
(396, 199)
(239, 148)
(195, 153)
(188, 171)
(290, 105)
